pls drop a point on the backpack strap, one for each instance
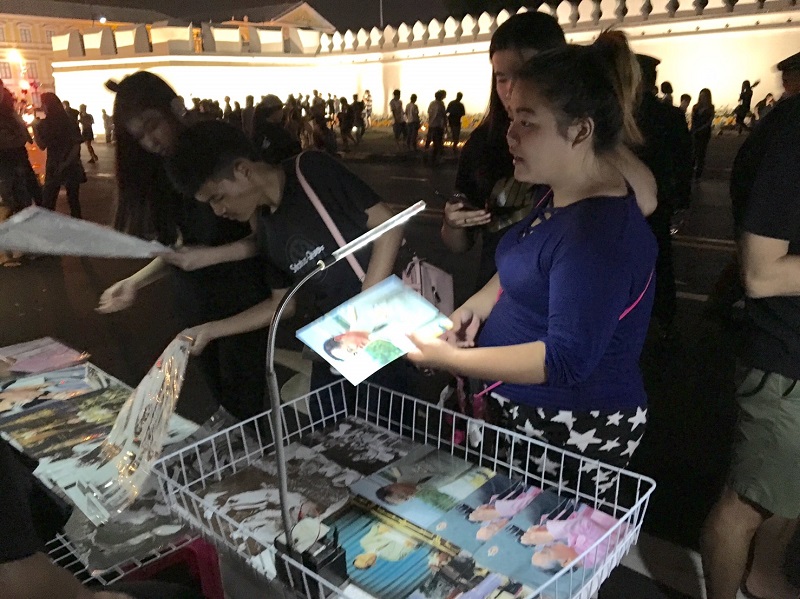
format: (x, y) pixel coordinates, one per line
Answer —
(326, 218)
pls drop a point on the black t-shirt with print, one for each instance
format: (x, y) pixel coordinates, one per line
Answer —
(772, 210)
(294, 237)
(221, 290)
(18, 536)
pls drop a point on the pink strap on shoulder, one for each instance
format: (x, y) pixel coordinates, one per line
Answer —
(326, 218)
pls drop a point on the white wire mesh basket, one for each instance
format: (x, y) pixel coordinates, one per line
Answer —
(63, 552)
(185, 475)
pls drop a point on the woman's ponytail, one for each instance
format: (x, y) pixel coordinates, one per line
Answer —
(625, 76)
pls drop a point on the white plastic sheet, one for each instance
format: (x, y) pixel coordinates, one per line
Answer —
(39, 231)
(110, 477)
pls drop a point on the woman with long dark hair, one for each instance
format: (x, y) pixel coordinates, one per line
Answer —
(60, 136)
(565, 318)
(148, 116)
(489, 199)
(702, 125)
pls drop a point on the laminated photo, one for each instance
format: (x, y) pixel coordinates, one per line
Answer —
(359, 445)
(484, 513)
(30, 391)
(40, 355)
(423, 486)
(366, 333)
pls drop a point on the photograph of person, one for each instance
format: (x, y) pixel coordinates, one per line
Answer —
(484, 512)
(366, 333)
(562, 540)
(359, 445)
(386, 560)
(505, 553)
(423, 486)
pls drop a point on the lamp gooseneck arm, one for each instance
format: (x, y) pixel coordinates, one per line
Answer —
(275, 403)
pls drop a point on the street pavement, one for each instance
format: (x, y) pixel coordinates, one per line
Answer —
(685, 449)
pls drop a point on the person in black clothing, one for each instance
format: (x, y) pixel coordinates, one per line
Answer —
(667, 152)
(269, 134)
(71, 112)
(86, 121)
(455, 111)
(20, 184)
(763, 482)
(702, 125)
(147, 126)
(790, 75)
(346, 124)
(218, 167)
(59, 134)
(359, 122)
(26, 522)
(745, 102)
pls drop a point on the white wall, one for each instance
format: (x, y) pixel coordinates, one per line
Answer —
(718, 57)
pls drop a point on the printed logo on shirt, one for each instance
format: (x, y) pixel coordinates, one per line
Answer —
(301, 252)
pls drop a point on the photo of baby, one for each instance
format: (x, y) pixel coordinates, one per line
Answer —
(371, 330)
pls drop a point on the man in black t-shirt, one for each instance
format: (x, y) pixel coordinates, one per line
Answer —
(217, 165)
(764, 479)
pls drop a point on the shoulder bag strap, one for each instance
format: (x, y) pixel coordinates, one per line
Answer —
(326, 218)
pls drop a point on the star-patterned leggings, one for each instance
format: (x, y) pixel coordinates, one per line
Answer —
(605, 436)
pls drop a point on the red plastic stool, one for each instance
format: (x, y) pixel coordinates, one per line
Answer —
(199, 557)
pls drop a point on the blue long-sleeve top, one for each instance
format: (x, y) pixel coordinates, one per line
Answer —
(566, 281)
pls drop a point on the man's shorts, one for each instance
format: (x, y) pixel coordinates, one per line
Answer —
(765, 467)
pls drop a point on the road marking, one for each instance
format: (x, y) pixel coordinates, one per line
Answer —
(695, 297)
(421, 179)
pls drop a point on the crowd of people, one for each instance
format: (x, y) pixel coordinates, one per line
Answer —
(569, 182)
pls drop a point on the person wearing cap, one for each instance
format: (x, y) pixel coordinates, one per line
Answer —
(763, 480)
(667, 152)
(790, 74)
(270, 135)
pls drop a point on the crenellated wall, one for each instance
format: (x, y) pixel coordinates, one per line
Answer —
(709, 43)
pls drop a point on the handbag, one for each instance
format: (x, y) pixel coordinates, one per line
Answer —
(431, 282)
(326, 218)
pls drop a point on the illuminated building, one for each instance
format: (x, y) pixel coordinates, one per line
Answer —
(27, 28)
(713, 43)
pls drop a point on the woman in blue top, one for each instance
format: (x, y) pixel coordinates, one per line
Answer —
(565, 319)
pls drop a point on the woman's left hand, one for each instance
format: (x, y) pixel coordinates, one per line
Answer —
(432, 353)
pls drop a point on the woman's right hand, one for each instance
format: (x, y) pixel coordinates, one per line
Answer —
(120, 296)
(458, 215)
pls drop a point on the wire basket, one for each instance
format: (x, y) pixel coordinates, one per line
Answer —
(183, 475)
(65, 554)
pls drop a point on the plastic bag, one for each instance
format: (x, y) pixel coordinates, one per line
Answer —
(108, 478)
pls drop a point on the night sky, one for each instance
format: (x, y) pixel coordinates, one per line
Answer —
(344, 14)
